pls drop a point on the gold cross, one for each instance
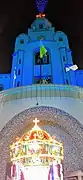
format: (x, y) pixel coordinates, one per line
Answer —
(35, 121)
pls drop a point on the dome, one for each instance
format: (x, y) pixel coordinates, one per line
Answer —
(36, 133)
(41, 23)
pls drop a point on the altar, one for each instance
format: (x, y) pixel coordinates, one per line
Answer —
(36, 155)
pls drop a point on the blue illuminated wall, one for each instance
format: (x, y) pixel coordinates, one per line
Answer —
(4, 81)
(27, 47)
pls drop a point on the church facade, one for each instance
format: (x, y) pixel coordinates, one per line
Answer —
(44, 93)
(28, 69)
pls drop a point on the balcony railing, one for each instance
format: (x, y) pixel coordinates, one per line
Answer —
(41, 91)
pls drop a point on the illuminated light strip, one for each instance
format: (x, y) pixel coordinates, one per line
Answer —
(40, 140)
(27, 156)
(42, 155)
(31, 142)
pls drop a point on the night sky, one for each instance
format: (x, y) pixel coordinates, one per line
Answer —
(17, 15)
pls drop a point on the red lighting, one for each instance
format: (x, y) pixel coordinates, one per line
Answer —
(40, 15)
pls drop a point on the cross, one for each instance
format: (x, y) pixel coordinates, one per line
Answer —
(35, 121)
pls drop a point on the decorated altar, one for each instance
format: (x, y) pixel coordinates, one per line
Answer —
(36, 155)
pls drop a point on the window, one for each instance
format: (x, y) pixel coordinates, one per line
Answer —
(19, 72)
(41, 37)
(1, 87)
(43, 80)
(41, 26)
(19, 61)
(33, 28)
(21, 41)
(65, 69)
(60, 39)
(67, 81)
(18, 83)
(44, 60)
(63, 58)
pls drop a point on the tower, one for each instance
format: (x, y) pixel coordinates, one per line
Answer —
(28, 68)
(27, 60)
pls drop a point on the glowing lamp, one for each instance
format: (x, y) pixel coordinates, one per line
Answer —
(40, 16)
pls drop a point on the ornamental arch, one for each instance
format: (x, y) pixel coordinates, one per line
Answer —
(55, 122)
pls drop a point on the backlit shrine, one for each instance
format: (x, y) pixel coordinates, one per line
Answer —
(36, 155)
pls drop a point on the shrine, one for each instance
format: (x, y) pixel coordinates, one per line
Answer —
(36, 155)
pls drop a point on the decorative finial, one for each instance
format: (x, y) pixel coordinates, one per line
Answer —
(36, 121)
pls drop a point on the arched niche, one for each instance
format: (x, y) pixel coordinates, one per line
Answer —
(41, 65)
(54, 121)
